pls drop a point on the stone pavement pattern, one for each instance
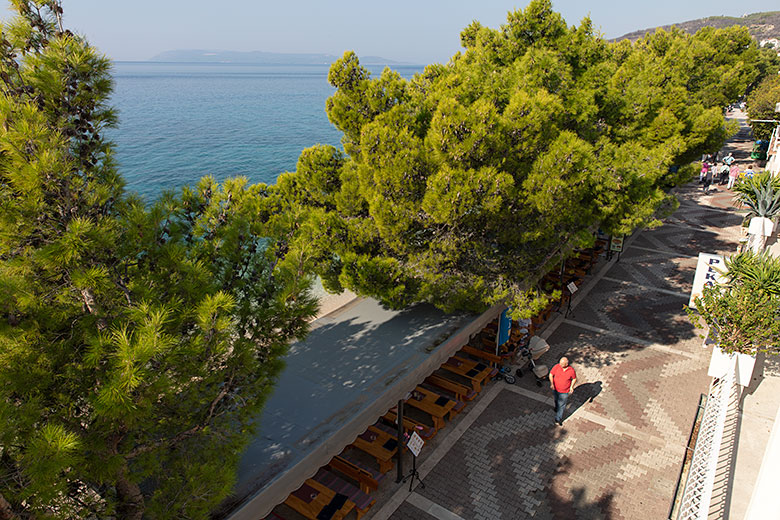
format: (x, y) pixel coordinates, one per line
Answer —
(641, 369)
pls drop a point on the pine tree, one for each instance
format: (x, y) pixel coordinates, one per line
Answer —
(137, 342)
(466, 184)
(761, 106)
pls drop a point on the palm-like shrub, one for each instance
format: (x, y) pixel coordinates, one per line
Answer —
(760, 272)
(743, 313)
(761, 194)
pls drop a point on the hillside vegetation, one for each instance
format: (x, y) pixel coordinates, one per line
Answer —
(761, 26)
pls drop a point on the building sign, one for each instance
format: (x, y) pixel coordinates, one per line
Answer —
(708, 272)
(572, 287)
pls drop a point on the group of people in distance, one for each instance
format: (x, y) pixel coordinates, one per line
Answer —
(725, 171)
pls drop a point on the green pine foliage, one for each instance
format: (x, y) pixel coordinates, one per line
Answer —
(466, 184)
(761, 105)
(137, 343)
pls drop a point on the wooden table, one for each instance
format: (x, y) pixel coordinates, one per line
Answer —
(310, 507)
(380, 445)
(477, 373)
(428, 405)
(410, 425)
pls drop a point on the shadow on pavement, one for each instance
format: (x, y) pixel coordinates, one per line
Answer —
(513, 462)
(584, 393)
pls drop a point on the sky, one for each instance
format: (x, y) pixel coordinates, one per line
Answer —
(413, 31)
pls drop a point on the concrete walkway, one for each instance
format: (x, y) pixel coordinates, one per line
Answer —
(641, 369)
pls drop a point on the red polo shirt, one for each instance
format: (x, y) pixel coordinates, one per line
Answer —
(562, 378)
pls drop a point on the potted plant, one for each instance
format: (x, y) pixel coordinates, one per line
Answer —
(761, 195)
(742, 314)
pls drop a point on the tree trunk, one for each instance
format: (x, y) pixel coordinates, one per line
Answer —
(131, 500)
(6, 513)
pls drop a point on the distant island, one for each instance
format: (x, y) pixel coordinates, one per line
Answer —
(260, 58)
(762, 26)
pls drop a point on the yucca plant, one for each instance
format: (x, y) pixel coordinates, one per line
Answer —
(761, 194)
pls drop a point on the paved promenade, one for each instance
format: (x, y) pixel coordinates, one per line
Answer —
(641, 369)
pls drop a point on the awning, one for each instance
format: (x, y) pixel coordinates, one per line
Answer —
(355, 364)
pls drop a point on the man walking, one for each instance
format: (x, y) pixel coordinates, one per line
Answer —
(562, 381)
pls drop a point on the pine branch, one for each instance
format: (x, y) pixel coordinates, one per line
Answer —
(146, 448)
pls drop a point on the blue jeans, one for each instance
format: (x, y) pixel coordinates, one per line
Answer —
(560, 404)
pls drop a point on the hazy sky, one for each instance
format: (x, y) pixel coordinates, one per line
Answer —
(418, 31)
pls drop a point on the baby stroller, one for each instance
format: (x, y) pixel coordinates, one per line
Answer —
(536, 347)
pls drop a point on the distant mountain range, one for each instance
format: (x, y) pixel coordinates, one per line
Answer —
(762, 26)
(261, 58)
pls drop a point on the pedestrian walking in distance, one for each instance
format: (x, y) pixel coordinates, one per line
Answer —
(562, 381)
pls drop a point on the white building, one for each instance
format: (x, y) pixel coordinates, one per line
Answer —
(770, 42)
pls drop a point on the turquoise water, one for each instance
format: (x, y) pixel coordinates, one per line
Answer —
(179, 122)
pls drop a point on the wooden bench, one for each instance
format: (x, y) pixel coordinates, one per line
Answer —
(386, 426)
(488, 342)
(313, 500)
(410, 425)
(363, 502)
(367, 478)
(478, 353)
(463, 392)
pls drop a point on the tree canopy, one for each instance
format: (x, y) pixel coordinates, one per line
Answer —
(137, 343)
(761, 105)
(466, 184)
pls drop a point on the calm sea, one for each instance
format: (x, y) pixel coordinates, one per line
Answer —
(179, 122)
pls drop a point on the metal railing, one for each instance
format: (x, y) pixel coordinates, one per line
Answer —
(723, 398)
(674, 506)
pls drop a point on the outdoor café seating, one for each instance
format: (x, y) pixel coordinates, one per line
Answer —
(367, 477)
(462, 392)
(476, 373)
(317, 502)
(410, 425)
(380, 445)
(459, 405)
(363, 501)
(437, 406)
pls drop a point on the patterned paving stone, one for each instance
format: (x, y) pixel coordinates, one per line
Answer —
(704, 218)
(684, 240)
(636, 311)
(654, 391)
(691, 196)
(408, 512)
(660, 270)
(513, 463)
